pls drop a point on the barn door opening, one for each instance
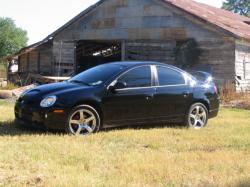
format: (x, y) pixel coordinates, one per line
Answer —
(93, 53)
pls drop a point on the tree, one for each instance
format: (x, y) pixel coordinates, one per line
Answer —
(12, 38)
(241, 7)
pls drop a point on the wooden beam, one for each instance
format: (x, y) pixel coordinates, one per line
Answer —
(123, 50)
(39, 61)
(28, 62)
(51, 63)
(75, 60)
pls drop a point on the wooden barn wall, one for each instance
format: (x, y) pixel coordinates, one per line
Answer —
(64, 57)
(218, 58)
(23, 63)
(150, 31)
(134, 20)
(46, 60)
(33, 61)
(38, 60)
(160, 51)
(242, 66)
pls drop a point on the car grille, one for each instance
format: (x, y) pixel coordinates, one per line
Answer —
(24, 109)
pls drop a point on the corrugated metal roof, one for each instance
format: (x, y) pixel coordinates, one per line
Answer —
(236, 24)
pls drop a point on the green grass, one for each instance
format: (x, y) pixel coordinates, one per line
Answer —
(218, 155)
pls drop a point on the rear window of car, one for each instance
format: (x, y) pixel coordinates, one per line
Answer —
(169, 77)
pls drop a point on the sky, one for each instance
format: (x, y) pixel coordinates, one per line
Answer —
(41, 18)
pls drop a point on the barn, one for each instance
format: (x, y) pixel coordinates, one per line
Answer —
(114, 30)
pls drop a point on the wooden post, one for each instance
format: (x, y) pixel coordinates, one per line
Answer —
(60, 60)
(123, 50)
(38, 61)
(51, 63)
(75, 62)
(7, 70)
(28, 62)
(244, 67)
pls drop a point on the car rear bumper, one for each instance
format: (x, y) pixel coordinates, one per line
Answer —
(213, 113)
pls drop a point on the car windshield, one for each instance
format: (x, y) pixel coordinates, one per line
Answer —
(97, 75)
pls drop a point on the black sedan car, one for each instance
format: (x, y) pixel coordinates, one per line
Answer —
(120, 93)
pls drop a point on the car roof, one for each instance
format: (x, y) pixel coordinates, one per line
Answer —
(129, 64)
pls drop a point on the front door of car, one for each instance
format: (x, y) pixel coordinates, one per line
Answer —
(132, 103)
(173, 95)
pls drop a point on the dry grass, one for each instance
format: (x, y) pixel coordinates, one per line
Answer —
(218, 155)
(10, 86)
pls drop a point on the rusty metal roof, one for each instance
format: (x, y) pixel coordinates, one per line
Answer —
(236, 24)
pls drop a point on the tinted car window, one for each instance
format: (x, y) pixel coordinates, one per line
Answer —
(138, 77)
(169, 77)
(97, 75)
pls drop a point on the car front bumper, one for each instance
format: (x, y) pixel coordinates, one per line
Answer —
(33, 116)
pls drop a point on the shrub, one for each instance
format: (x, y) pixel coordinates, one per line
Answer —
(187, 53)
(10, 86)
(2, 70)
(230, 97)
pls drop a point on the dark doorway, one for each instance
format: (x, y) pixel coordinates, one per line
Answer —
(93, 53)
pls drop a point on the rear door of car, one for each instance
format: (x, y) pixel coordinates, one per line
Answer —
(132, 104)
(173, 94)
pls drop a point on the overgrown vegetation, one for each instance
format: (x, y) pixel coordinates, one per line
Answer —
(215, 156)
(10, 86)
(231, 98)
(3, 72)
(187, 53)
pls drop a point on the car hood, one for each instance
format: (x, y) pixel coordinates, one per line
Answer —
(52, 89)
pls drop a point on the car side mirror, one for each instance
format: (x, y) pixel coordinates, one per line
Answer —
(117, 86)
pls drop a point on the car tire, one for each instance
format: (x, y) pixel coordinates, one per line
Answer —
(83, 120)
(197, 116)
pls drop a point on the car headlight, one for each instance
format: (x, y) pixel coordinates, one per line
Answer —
(48, 101)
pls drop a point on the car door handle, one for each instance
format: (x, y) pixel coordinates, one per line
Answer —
(186, 94)
(149, 97)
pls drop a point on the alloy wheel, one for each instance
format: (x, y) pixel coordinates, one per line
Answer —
(197, 118)
(82, 122)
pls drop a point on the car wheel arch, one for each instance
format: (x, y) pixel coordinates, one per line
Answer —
(93, 104)
(202, 101)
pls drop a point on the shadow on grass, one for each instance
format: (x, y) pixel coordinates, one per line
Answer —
(147, 127)
(10, 128)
